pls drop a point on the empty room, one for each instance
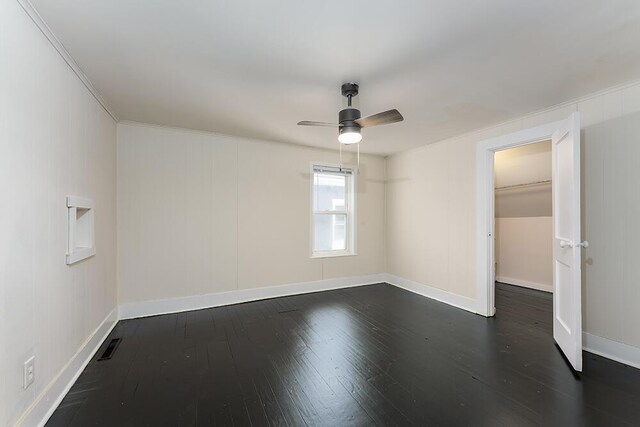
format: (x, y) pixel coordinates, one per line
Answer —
(338, 213)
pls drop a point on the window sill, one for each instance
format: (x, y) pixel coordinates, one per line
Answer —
(331, 254)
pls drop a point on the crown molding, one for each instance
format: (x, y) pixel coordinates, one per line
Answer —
(57, 45)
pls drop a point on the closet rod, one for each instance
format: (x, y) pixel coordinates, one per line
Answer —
(528, 184)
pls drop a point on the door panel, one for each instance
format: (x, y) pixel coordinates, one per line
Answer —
(567, 275)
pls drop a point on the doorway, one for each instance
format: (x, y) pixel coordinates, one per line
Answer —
(523, 238)
(566, 238)
(523, 216)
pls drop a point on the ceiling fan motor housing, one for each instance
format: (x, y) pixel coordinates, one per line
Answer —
(348, 116)
(347, 119)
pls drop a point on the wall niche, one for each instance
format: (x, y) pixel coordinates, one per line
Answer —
(81, 241)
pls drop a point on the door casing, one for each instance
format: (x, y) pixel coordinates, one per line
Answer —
(485, 206)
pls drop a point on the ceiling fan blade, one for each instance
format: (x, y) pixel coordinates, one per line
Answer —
(384, 118)
(308, 123)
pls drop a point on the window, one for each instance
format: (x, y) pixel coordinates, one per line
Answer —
(332, 211)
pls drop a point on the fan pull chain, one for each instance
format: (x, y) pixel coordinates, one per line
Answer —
(358, 158)
(340, 156)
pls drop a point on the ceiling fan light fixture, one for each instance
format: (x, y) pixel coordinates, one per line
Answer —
(349, 135)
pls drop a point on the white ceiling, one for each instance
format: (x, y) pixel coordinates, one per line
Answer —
(256, 68)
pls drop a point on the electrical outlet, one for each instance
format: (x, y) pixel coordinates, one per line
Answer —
(28, 372)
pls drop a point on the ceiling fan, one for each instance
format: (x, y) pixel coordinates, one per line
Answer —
(350, 122)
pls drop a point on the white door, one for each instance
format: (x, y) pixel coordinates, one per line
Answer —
(567, 245)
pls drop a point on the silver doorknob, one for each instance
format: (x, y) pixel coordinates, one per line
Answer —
(566, 244)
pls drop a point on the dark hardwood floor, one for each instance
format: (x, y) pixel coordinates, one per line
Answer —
(360, 356)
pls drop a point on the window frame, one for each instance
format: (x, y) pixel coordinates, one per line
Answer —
(349, 212)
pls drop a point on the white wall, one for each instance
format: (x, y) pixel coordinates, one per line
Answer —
(611, 208)
(532, 201)
(523, 165)
(430, 216)
(524, 255)
(431, 210)
(55, 140)
(201, 213)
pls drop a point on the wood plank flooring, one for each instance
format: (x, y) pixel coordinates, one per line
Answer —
(359, 356)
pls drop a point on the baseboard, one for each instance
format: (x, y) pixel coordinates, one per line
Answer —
(196, 302)
(525, 284)
(455, 300)
(614, 350)
(47, 402)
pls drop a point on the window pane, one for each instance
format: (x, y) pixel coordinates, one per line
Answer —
(329, 192)
(330, 232)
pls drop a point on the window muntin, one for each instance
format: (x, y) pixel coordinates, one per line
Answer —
(332, 211)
